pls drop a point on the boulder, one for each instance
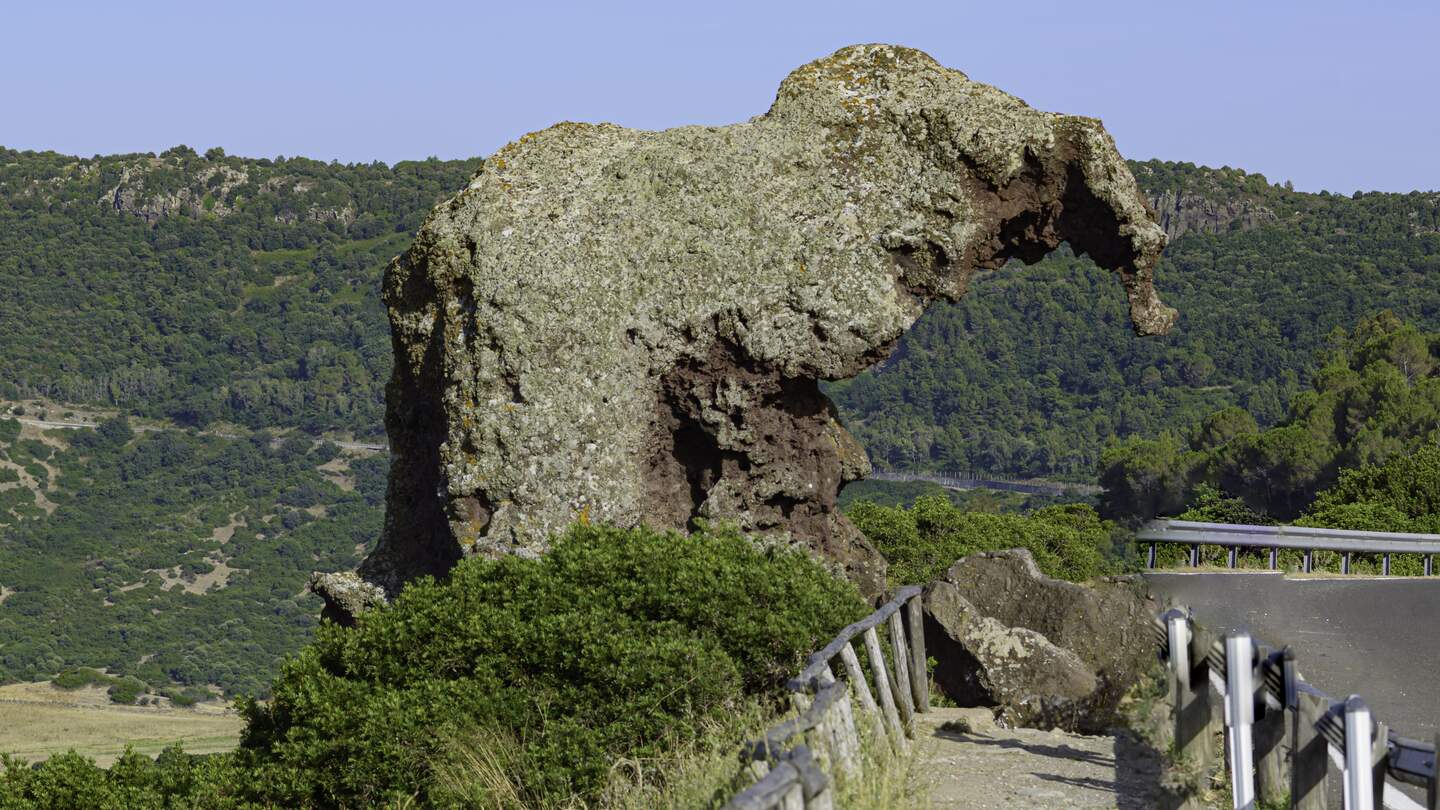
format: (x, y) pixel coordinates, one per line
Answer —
(982, 662)
(625, 326)
(1106, 623)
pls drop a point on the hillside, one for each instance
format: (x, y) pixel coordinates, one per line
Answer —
(202, 288)
(210, 287)
(209, 290)
(171, 556)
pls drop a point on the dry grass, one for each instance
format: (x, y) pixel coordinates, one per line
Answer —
(483, 768)
(38, 720)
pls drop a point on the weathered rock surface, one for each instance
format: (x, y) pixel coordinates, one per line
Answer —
(628, 326)
(1104, 627)
(1182, 213)
(1106, 623)
(982, 662)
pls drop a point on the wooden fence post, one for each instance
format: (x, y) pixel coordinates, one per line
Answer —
(862, 690)
(1310, 761)
(882, 686)
(901, 657)
(837, 734)
(919, 664)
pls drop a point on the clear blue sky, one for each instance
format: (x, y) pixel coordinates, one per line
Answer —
(1328, 95)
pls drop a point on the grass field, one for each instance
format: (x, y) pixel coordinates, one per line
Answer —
(38, 720)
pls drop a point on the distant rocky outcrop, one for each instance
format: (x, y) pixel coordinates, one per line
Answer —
(626, 326)
(1182, 212)
(1070, 651)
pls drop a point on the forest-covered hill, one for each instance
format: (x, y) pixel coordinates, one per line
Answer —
(206, 287)
(210, 288)
(202, 288)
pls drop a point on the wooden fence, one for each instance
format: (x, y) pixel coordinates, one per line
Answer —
(1282, 734)
(796, 762)
(1235, 537)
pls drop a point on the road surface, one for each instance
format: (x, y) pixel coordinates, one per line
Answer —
(1375, 637)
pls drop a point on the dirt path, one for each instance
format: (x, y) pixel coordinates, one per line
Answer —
(990, 768)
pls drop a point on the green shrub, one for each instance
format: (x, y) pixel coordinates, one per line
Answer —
(8, 475)
(613, 643)
(921, 542)
(9, 430)
(81, 676)
(126, 690)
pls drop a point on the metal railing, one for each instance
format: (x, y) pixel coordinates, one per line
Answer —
(1266, 700)
(964, 479)
(796, 760)
(1235, 537)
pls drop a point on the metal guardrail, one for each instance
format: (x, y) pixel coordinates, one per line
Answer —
(969, 480)
(795, 760)
(1237, 536)
(1265, 701)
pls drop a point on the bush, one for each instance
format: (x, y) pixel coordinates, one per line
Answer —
(609, 645)
(81, 676)
(920, 543)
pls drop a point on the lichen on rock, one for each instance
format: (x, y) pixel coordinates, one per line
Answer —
(626, 326)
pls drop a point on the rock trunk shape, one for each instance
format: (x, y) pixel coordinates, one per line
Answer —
(626, 326)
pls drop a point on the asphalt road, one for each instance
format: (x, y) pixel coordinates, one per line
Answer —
(1375, 637)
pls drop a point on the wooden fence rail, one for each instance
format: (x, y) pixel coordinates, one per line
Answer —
(795, 762)
(1266, 703)
(1236, 537)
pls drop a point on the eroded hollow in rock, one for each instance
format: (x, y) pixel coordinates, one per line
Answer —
(730, 436)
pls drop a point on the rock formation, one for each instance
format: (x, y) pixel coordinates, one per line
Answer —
(984, 662)
(1183, 212)
(626, 326)
(1083, 646)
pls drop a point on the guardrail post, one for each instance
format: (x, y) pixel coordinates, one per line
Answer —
(1150, 558)
(1359, 779)
(1345, 563)
(1233, 557)
(1271, 780)
(1188, 649)
(1385, 569)
(1239, 715)
(1195, 555)
(919, 664)
(1432, 787)
(1309, 560)
(1310, 761)
(1274, 559)
(1429, 564)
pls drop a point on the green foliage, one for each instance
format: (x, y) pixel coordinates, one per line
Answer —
(920, 543)
(134, 782)
(257, 304)
(76, 677)
(601, 648)
(135, 507)
(1375, 397)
